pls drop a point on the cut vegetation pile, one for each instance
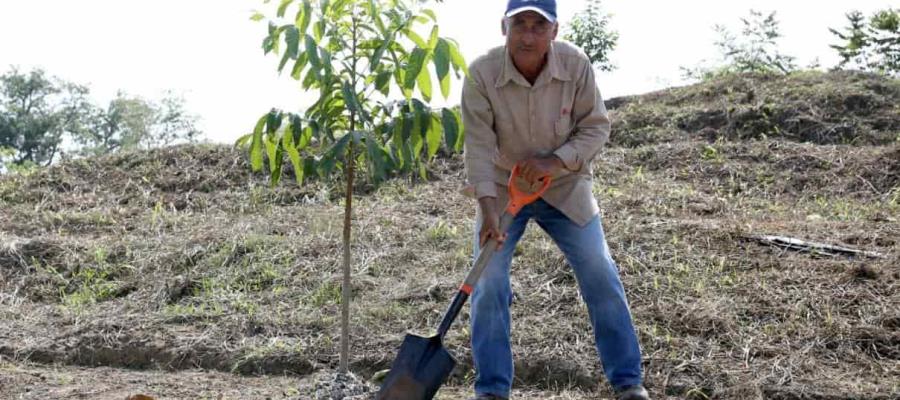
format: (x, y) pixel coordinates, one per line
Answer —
(156, 263)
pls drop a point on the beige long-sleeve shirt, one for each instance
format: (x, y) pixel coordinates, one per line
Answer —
(507, 120)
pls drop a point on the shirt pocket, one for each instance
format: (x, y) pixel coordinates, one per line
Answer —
(562, 128)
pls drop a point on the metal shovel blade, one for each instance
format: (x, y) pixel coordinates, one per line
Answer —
(421, 367)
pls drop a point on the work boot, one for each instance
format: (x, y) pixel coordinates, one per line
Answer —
(636, 392)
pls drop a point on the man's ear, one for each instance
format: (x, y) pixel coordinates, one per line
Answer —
(555, 30)
(503, 26)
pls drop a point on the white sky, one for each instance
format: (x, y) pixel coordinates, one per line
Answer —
(209, 50)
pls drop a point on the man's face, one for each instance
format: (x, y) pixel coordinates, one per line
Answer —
(528, 37)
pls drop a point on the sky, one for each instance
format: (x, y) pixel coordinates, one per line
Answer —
(209, 51)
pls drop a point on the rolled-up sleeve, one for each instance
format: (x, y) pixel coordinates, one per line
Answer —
(480, 138)
(592, 125)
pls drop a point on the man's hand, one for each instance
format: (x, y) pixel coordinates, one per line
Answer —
(490, 224)
(534, 169)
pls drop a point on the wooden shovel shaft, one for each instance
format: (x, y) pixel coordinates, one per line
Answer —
(484, 256)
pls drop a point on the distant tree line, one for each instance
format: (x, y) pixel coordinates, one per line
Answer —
(867, 44)
(872, 44)
(43, 118)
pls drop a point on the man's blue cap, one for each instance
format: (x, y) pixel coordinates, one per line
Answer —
(547, 8)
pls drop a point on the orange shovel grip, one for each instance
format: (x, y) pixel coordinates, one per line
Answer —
(518, 198)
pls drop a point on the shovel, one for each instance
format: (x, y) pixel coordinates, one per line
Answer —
(423, 364)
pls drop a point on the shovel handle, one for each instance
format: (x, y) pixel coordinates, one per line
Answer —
(517, 200)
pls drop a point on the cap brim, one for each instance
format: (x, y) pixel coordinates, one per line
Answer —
(531, 8)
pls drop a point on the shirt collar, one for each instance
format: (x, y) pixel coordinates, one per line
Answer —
(508, 71)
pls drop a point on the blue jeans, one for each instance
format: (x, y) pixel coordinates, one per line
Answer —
(586, 250)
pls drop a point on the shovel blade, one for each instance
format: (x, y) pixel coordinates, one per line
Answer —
(421, 367)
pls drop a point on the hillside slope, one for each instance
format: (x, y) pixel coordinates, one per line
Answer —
(160, 262)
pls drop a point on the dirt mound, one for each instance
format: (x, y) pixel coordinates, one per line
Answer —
(178, 177)
(813, 107)
(776, 167)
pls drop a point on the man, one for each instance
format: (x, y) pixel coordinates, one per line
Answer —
(534, 102)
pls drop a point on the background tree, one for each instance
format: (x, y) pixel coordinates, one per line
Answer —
(36, 111)
(754, 50)
(131, 122)
(358, 54)
(39, 115)
(873, 45)
(589, 29)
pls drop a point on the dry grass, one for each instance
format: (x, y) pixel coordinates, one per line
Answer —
(177, 258)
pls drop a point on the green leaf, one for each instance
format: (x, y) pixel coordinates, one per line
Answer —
(400, 75)
(275, 177)
(350, 98)
(406, 152)
(256, 158)
(412, 35)
(270, 151)
(312, 54)
(395, 17)
(288, 144)
(257, 16)
(299, 66)
(451, 129)
(305, 137)
(270, 43)
(416, 60)
(424, 81)
(423, 114)
(243, 140)
(397, 141)
(334, 110)
(305, 16)
(273, 122)
(441, 62)
(326, 62)
(339, 9)
(317, 130)
(333, 154)
(296, 130)
(377, 157)
(431, 14)
(382, 82)
(310, 79)
(416, 139)
(433, 39)
(282, 8)
(423, 173)
(292, 38)
(459, 62)
(267, 45)
(319, 30)
(376, 16)
(405, 145)
(433, 137)
(309, 166)
(376, 56)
